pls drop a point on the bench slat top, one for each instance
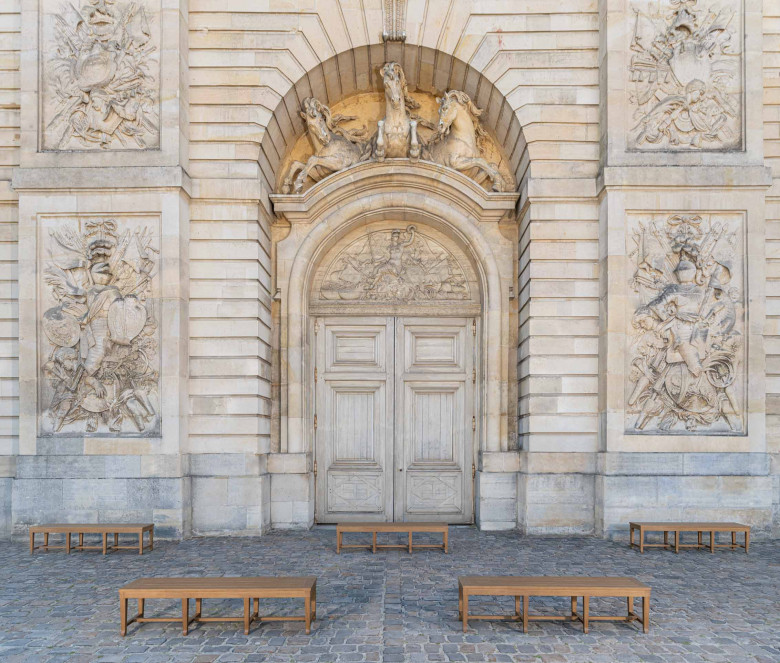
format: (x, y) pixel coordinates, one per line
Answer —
(91, 527)
(690, 525)
(551, 582)
(392, 527)
(223, 583)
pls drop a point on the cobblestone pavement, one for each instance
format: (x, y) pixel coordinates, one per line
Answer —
(391, 606)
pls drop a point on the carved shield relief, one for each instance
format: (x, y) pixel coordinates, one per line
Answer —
(99, 339)
(394, 267)
(100, 75)
(686, 336)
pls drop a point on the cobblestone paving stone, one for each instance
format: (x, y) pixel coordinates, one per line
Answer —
(720, 608)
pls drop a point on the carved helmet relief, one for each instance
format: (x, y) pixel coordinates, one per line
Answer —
(685, 86)
(99, 78)
(687, 327)
(451, 136)
(99, 347)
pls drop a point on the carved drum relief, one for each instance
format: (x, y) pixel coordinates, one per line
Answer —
(686, 325)
(100, 75)
(685, 89)
(395, 264)
(99, 326)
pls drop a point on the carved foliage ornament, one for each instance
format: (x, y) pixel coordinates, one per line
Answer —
(99, 341)
(687, 328)
(396, 266)
(100, 77)
(685, 75)
(455, 137)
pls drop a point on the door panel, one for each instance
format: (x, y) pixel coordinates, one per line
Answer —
(354, 404)
(394, 403)
(434, 360)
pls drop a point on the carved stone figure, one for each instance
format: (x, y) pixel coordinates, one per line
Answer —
(687, 335)
(456, 141)
(335, 147)
(686, 76)
(100, 86)
(100, 369)
(394, 266)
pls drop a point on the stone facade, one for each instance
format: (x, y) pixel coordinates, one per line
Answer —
(188, 190)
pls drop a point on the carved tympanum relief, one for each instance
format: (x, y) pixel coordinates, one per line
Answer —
(685, 88)
(100, 75)
(454, 138)
(686, 335)
(397, 265)
(99, 340)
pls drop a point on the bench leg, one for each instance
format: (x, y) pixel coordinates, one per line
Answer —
(666, 538)
(46, 539)
(641, 540)
(338, 542)
(518, 614)
(677, 541)
(699, 539)
(573, 607)
(308, 615)
(67, 542)
(646, 614)
(81, 539)
(185, 616)
(247, 616)
(525, 613)
(585, 613)
(712, 541)
(630, 602)
(465, 612)
(141, 542)
(373, 543)
(105, 542)
(410, 542)
(733, 539)
(747, 541)
(198, 608)
(116, 539)
(122, 617)
(32, 542)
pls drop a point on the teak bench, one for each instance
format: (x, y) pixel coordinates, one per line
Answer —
(572, 586)
(81, 529)
(218, 588)
(689, 527)
(374, 528)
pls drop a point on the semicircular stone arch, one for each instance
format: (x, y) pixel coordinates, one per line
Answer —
(356, 72)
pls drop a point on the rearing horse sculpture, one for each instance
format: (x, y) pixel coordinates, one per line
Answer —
(335, 147)
(456, 141)
(397, 132)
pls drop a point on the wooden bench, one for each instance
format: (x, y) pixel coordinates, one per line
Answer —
(374, 528)
(689, 527)
(571, 586)
(81, 529)
(218, 588)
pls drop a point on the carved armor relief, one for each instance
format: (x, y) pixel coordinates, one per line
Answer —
(99, 326)
(686, 326)
(685, 75)
(100, 75)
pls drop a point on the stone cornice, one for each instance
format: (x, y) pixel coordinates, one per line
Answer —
(392, 175)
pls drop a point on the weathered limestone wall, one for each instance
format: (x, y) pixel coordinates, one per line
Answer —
(10, 98)
(772, 157)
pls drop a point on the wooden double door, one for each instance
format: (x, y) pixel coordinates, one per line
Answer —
(395, 418)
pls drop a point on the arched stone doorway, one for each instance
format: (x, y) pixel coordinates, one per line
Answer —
(395, 262)
(464, 312)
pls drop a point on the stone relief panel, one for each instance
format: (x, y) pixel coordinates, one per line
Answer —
(397, 265)
(686, 330)
(99, 338)
(452, 137)
(100, 75)
(685, 75)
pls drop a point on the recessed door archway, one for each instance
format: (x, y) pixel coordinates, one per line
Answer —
(394, 311)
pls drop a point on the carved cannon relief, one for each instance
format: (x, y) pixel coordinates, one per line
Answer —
(686, 334)
(685, 73)
(100, 75)
(99, 340)
(453, 137)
